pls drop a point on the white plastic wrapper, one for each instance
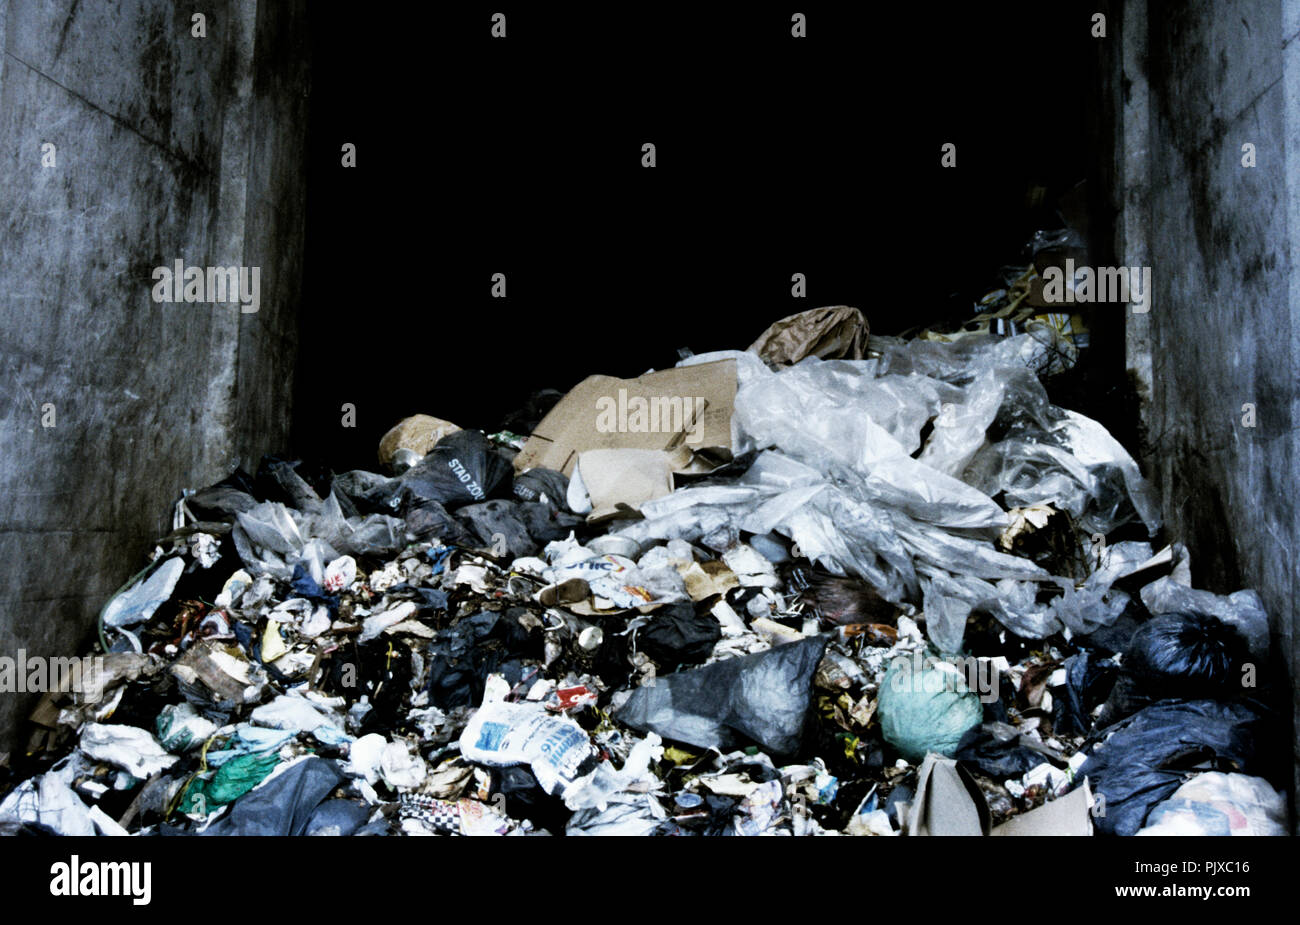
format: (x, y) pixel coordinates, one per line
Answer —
(130, 748)
(339, 574)
(138, 603)
(299, 715)
(49, 800)
(557, 750)
(1216, 803)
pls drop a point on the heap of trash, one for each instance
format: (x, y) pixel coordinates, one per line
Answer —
(833, 584)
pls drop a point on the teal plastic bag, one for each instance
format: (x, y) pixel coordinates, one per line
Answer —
(924, 708)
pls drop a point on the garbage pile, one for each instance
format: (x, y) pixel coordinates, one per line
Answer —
(836, 583)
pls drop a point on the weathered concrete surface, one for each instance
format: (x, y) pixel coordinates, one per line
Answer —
(1191, 84)
(167, 146)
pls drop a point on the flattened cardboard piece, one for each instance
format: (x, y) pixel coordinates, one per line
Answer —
(620, 481)
(834, 332)
(688, 406)
(1067, 815)
(947, 802)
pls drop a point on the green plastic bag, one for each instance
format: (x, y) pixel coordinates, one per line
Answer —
(230, 782)
(924, 708)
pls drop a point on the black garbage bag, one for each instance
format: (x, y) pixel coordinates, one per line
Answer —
(995, 749)
(462, 656)
(1088, 681)
(462, 468)
(515, 528)
(539, 483)
(430, 521)
(545, 523)
(525, 799)
(1150, 755)
(1184, 655)
(762, 698)
(677, 635)
(283, 805)
(369, 492)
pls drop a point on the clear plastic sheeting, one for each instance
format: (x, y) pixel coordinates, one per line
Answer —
(846, 475)
(1076, 466)
(272, 538)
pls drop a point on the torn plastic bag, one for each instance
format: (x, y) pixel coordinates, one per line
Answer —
(138, 603)
(1243, 609)
(1188, 656)
(1219, 804)
(1150, 754)
(284, 803)
(762, 698)
(1015, 605)
(1076, 466)
(271, 538)
(819, 413)
(1086, 610)
(973, 558)
(48, 801)
(960, 430)
(946, 613)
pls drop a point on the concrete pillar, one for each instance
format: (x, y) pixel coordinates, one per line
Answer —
(167, 145)
(1195, 83)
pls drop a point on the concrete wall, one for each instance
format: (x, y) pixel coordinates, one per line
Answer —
(1191, 83)
(167, 146)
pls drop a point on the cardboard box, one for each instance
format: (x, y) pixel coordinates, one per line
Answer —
(688, 406)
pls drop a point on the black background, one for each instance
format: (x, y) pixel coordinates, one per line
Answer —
(775, 155)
